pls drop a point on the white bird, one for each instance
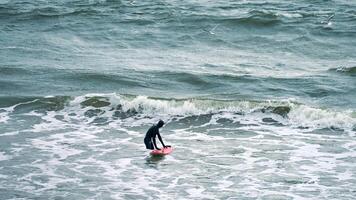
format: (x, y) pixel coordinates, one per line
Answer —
(328, 21)
(211, 30)
(331, 16)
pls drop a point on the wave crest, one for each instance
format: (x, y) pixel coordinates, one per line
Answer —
(120, 107)
(346, 70)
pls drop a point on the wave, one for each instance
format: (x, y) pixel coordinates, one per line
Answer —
(252, 18)
(345, 70)
(143, 104)
(257, 18)
(117, 79)
(38, 12)
(121, 107)
(13, 70)
(28, 104)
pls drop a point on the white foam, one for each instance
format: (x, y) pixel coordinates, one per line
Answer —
(3, 176)
(289, 14)
(224, 184)
(33, 113)
(302, 115)
(347, 175)
(10, 133)
(160, 106)
(197, 192)
(3, 156)
(5, 112)
(4, 117)
(54, 146)
(147, 111)
(284, 151)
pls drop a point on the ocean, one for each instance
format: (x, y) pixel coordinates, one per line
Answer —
(258, 97)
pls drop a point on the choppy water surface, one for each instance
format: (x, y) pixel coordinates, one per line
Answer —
(259, 99)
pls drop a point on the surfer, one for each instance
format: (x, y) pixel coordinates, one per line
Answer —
(150, 138)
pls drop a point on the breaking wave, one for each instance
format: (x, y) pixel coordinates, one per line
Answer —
(345, 70)
(110, 107)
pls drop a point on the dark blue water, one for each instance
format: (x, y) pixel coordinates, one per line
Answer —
(260, 95)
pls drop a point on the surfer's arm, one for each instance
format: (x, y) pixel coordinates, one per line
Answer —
(160, 139)
(154, 143)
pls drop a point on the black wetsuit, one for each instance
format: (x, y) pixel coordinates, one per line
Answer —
(150, 138)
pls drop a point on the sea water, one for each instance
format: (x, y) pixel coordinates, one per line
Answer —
(259, 99)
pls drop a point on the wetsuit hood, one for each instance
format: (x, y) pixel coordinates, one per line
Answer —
(160, 123)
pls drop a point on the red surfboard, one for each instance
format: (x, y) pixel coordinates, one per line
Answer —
(162, 152)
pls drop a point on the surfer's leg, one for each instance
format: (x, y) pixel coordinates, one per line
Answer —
(148, 144)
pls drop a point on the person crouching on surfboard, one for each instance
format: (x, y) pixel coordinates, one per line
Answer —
(150, 138)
